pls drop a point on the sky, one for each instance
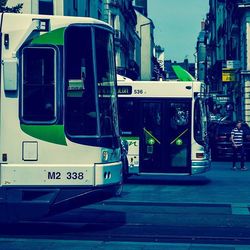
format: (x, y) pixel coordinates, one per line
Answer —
(177, 26)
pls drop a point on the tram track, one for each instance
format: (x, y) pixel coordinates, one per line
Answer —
(140, 220)
(129, 232)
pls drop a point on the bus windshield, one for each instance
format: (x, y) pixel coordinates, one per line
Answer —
(200, 121)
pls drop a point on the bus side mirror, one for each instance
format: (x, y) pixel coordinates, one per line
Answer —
(10, 71)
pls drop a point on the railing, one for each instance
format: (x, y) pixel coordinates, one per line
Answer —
(120, 37)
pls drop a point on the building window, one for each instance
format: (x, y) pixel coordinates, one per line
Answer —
(112, 20)
(46, 7)
(87, 11)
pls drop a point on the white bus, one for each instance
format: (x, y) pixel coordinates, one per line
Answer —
(57, 148)
(165, 124)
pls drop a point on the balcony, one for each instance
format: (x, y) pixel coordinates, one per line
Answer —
(114, 3)
(121, 40)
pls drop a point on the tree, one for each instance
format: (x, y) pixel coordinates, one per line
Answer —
(14, 9)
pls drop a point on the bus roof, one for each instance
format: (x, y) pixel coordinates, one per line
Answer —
(159, 89)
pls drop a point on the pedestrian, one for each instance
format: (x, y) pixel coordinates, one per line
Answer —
(237, 134)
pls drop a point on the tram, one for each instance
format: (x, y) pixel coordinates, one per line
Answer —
(59, 134)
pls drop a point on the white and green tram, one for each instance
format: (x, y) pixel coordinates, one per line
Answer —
(59, 134)
(165, 124)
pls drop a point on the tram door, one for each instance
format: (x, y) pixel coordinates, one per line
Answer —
(165, 139)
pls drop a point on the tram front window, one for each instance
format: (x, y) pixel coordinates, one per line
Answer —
(39, 85)
(80, 99)
(106, 83)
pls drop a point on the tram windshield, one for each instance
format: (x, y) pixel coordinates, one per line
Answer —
(88, 65)
(106, 83)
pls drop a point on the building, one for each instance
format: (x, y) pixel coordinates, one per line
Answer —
(145, 30)
(92, 8)
(159, 72)
(141, 6)
(120, 14)
(201, 54)
(133, 30)
(228, 59)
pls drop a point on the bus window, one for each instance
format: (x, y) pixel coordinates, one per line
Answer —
(128, 114)
(80, 99)
(179, 133)
(38, 90)
(199, 120)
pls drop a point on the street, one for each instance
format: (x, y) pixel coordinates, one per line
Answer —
(153, 213)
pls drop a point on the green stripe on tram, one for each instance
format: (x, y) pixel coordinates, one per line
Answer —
(50, 133)
(55, 37)
(182, 74)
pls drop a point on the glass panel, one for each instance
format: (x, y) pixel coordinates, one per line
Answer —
(38, 84)
(46, 7)
(129, 117)
(152, 138)
(179, 133)
(200, 121)
(106, 83)
(80, 101)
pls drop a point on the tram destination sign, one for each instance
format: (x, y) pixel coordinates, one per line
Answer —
(124, 90)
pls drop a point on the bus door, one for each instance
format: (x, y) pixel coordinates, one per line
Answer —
(165, 140)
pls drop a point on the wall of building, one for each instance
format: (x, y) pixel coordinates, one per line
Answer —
(90, 8)
(229, 41)
(133, 44)
(144, 29)
(29, 6)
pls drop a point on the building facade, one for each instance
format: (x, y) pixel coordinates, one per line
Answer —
(120, 14)
(201, 54)
(228, 61)
(91, 8)
(145, 30)
(133, 30)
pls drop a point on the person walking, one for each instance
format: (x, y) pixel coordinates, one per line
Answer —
(238, 146)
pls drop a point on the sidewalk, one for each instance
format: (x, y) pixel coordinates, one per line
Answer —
(21, 244)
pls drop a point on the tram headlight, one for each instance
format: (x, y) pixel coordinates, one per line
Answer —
(200, 155)
(105, 155)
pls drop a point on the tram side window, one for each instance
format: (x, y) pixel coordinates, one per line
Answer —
(38, 89)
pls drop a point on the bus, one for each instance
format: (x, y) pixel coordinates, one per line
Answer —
(165, 125)
(57, 149)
